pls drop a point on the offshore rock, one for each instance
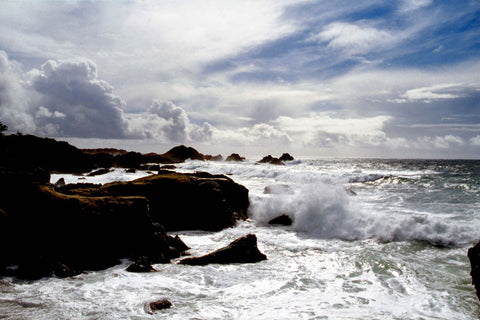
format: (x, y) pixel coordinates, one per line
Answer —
(181, 201)
(209, 157)
(159, 305)
(271, 160)
(235, 157)
(142, 265)
(474, 257)
(286, 157)
(242, 250)
(283, 220)
(182, 153)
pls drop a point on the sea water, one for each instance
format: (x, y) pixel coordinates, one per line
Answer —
(371, 239)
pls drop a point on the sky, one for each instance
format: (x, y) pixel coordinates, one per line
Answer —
(388, 79)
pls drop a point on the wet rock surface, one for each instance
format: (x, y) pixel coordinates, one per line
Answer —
(242, 250)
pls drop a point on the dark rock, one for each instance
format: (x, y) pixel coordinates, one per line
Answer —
(474, 257)
(140, 266)
(64, 271)
(182, 153)
(65, 234)
(128, 160)
(159, 305)
(278, 189)
(109, 151)
(242, 250)
(28, 152)
(286, 157)
(168, 167)
(283, 220)
(266, 159)
(235, 157)
(277, 162)
(130, 170)
(60, 183)
(209, 157)
(177, 243)
(150, 167)
(214, 202)
(350, 192)
(98, 172)
(271, 160)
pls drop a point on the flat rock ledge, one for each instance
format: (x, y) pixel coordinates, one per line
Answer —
(242, 250)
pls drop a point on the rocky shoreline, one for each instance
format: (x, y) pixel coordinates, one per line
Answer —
(63, 230)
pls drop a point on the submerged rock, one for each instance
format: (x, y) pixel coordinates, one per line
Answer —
(278, 189)
(242, 250)
(282, 220)
(159, 305)
(142, 265)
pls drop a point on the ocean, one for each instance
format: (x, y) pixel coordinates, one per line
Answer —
(371, 239)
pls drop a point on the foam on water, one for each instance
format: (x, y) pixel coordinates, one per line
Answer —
(363, 256)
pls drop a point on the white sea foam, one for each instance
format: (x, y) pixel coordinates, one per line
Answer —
(381, 272)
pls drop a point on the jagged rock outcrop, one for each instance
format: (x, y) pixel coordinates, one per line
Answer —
(209, 157)
(182, 153)
(242, 250)
(44, 231)
(235, 157)
(199, 201)
(271, 160)
(286, 157)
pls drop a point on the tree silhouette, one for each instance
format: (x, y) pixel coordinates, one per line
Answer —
(3, 127)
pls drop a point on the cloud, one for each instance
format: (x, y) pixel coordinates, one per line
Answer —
(438, 142)
(166, 121)
(432, 93)
(407, 6)
(72, 99)
(259, 135)
(326, 131)
(354, 38)
(14, 98)
(475, 141)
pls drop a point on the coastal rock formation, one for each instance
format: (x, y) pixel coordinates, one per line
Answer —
(45, 231)
(28, 152)
(235, 157)
(182, 153)
(209, 157)
(286, 157)
(283, 220)
(474, 257)
(242, 250)
(271, 160)
(198, 201)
